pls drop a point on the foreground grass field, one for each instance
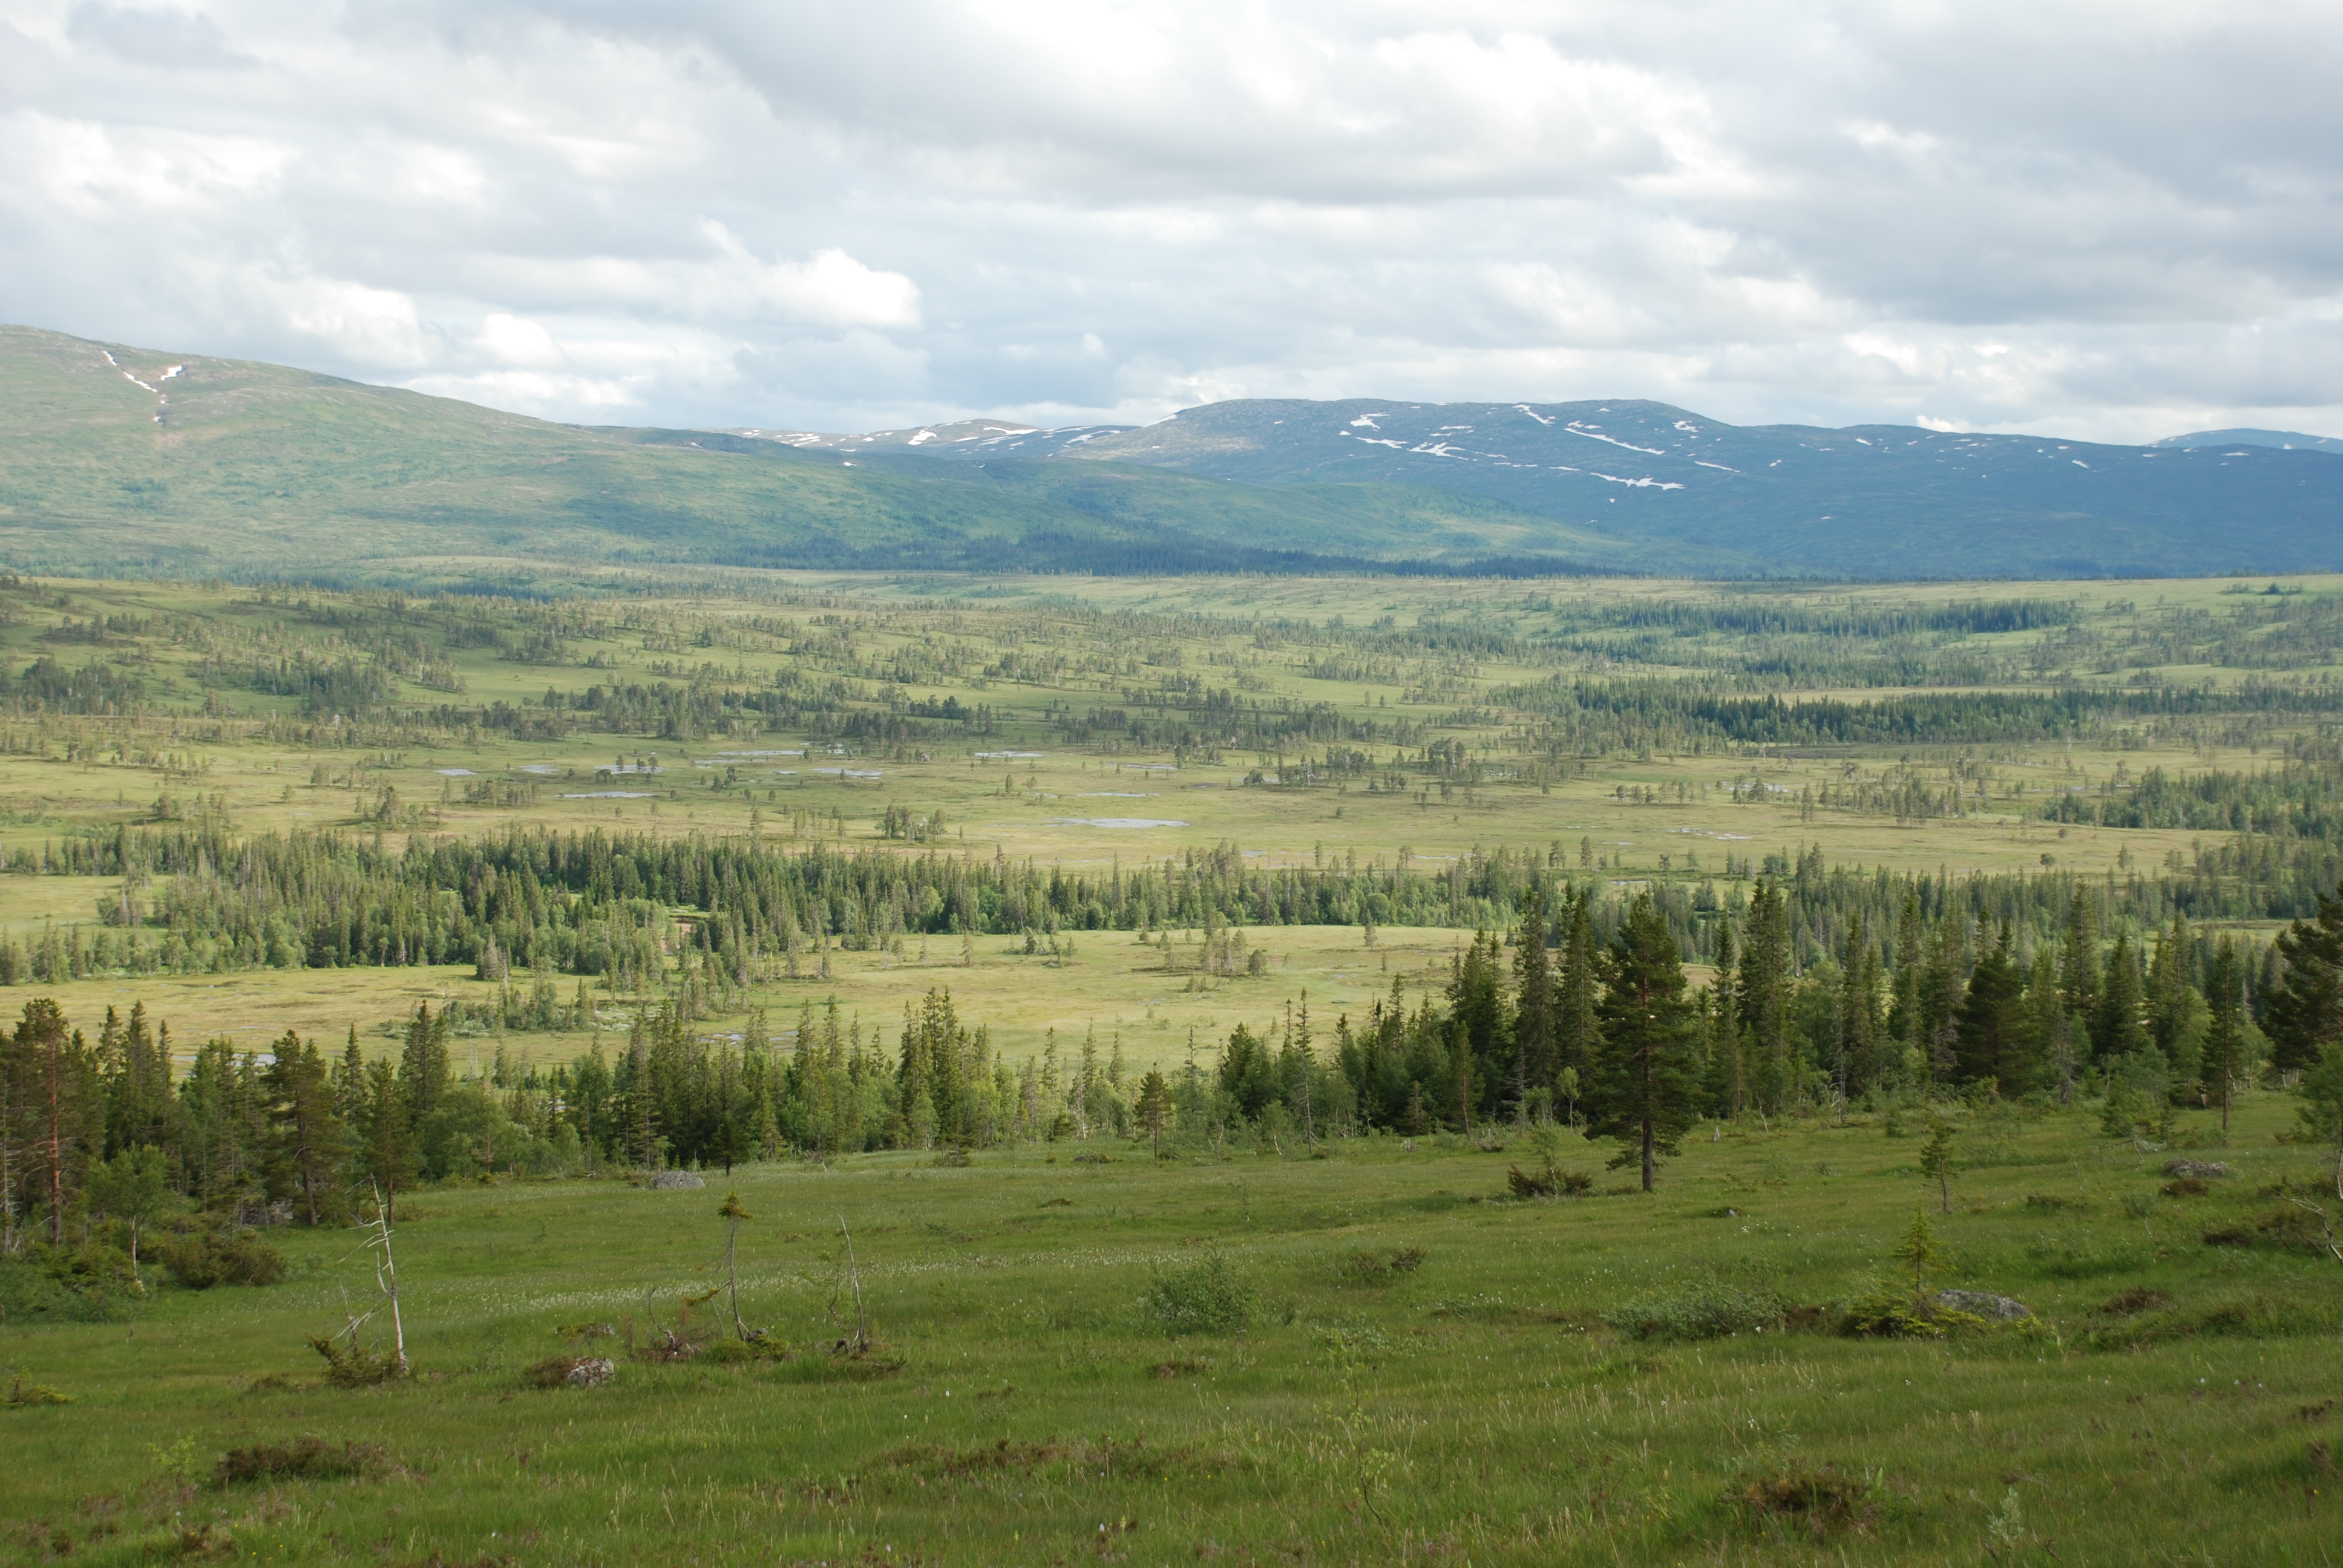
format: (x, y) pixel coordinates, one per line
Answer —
(2178, 1402)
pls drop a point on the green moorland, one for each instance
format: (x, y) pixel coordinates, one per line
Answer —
(667, 855)
(1022, 1403)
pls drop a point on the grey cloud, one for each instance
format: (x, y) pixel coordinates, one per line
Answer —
(171, 40)
(833, 216)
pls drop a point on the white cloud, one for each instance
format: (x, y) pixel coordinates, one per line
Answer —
(710, 211)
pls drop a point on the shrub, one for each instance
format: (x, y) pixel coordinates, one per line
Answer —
(1818, 1499)
(571, 1372)
(20, 1393)
(2289, 1230)
(1206, 1297)
(2186, 1187)
(1380, 1268)
(1548, 1183)
(355, 1366)
(1706, 1312)
(222, 1257)
(2139, 1299)
(306, 1459)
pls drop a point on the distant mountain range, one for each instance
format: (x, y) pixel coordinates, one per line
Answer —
(122, 460)
(1879, 501)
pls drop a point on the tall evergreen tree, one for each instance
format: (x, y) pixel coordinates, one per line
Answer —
(1535, 1061)
(1858, 1012)
(1575, 1029)
(2119, 1024)
(2224, 1035)
(1728, 1084)
(388, 1157)
(1988, 1047)
(306, 1143)
(1648, 1089)
(2303, 1014)
(1764, 999)
(424, 1070)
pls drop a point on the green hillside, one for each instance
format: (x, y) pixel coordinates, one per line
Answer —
(128, 460)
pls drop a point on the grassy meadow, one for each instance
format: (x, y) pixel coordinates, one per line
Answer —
(1254, 1350)
(2176, 1402)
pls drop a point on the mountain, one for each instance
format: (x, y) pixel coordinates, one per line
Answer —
(2285, 440)
(1871, 500)
(127, 461)
(118, 460)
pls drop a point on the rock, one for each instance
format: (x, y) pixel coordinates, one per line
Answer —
(591, 1372)
(2199, 1168)
(675, 1181)
(1984, 1304)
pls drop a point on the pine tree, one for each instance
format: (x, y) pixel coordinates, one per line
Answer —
(1154, 1107)
(1729, 1083)
(1648, 1089)
(1989, 1023)
(389, 1157)
(1534, 1060)
(2119, 1025)
(424, 1071)
(2304, 1013)
(2225, 1041)
(1858, 1012)
(1576, 1029)
(1764, 998)
(305, 1133)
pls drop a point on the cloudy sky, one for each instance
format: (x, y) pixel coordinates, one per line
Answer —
(2111, 220)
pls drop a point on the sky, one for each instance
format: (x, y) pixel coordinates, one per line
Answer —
(2102, 221)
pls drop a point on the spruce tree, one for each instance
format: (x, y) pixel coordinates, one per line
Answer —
(1575, 1026)
(1987, 1048)
(2119, 1024)
(1648, 1089)
(1534, 1064)
(305, 1142)
(1764, 997)
(2225, 1037)
(2304, 1013)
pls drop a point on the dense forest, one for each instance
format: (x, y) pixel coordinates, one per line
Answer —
(1548, 1022)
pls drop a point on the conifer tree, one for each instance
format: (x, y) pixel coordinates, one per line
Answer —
(2119, 1026)
(1575, 1026)
(1154, 1107)
(1988, 1021)
(2225, 1038)
(2304, 1013)
(1534, 1060)
(388, 1157)
(1764, 997)
(1648, 1089)
(306, 1134)
(424, 1070)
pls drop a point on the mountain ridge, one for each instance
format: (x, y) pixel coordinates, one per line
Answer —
(124, 459)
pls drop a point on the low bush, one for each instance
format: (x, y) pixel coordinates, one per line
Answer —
(1705, 1311)
(306, 1459)
(21, 1393)
(1370, 1267)
(352, 1365)
(1548, 1183)
(222, 1257)
(2288, 1230)
(571, 1372)
(1206, 1297)
(1820, 1499)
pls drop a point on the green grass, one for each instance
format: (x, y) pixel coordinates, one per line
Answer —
(1024, 1403)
